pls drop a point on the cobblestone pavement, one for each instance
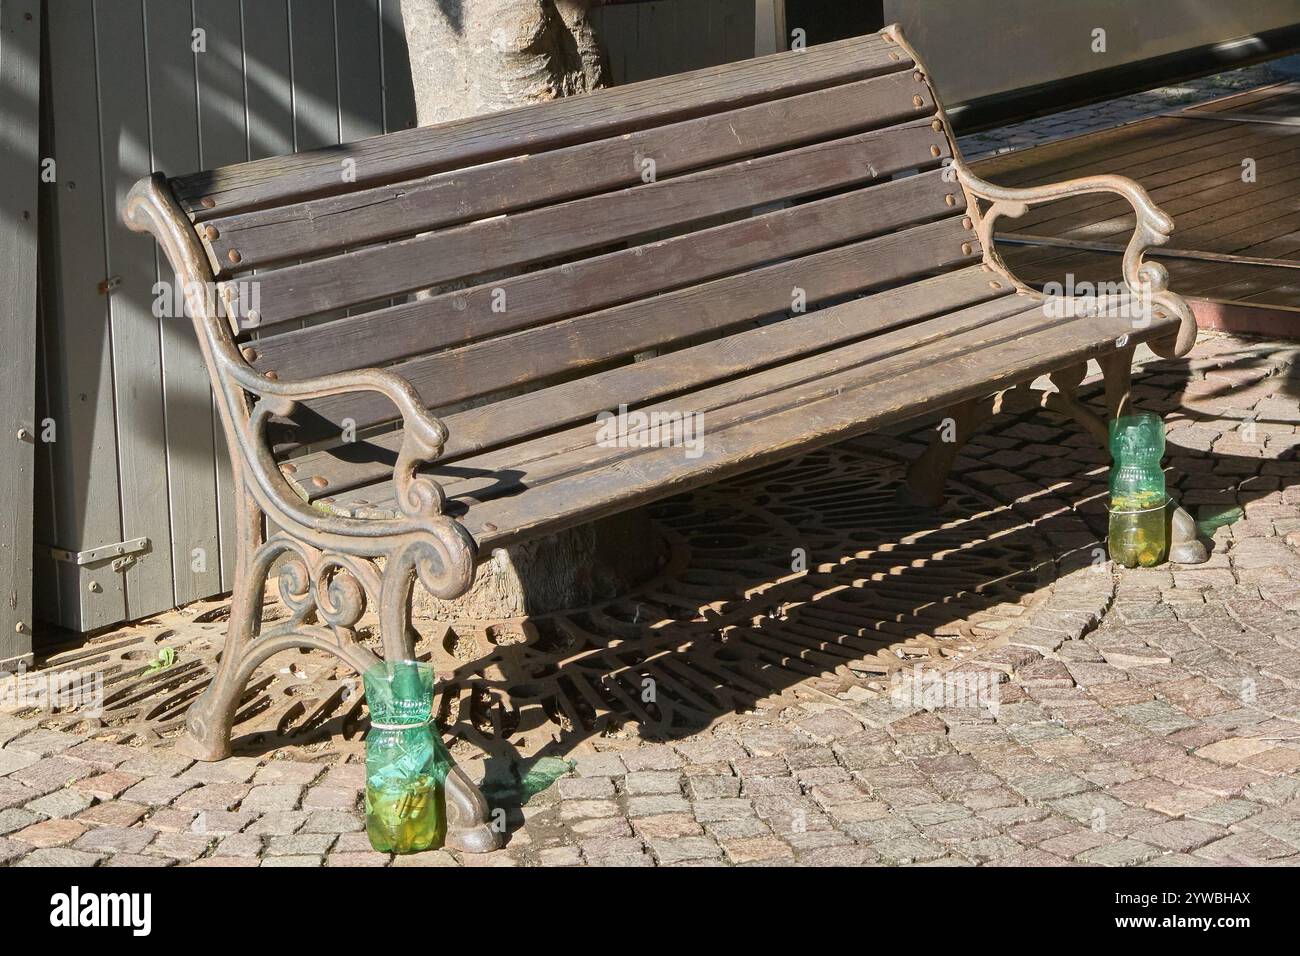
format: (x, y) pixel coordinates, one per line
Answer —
(1142, 717)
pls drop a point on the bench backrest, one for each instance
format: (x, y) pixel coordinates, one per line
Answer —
(561, 238)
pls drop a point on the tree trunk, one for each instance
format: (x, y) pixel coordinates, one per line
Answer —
(470, 57)
(478, 56)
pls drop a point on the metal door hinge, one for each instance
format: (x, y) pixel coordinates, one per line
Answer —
(122, 554)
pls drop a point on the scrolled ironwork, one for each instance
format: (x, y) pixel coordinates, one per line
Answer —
(249, 400)
(1153, 228)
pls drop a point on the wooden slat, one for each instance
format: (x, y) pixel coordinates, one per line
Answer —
(1253, 221)
(1214, 280)
(1139, 142)
(1248, 100)
(773, 428)
(367, 215)
(137, 356)
(224, 139)
(192, 433)
(563, 122)
(1180, 176)
(580, 225)
(1197, 180)
(573, 344)
(454, 318)
(512, 419)
(1225, 222)
(20, 73)
(1228, 218)
(1170, 169)
(1273, 234)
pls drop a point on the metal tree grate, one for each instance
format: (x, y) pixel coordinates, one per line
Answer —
(806, 575)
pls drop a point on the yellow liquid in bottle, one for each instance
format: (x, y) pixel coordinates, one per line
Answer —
(1137, 531)
(406, 819)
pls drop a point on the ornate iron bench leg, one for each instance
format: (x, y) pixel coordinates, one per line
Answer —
(210, 718)
(326, 594)
(469, 818)
(469, 824)
(926, 476)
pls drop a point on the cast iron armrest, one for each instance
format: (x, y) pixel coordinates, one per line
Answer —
(423, 541)
(151, 207)
(1154, 226)
(423, 435)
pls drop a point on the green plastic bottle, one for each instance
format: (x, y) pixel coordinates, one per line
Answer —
(406, 762)
(1138, 502)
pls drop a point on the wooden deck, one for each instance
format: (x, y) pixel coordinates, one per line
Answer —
(1228, 171)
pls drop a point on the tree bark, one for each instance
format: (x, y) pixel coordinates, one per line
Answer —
(470, 57)
(477, 56)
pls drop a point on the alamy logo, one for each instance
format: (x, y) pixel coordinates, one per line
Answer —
(53, 690)
(627, 429)
(932, 689)
(75, 909)
(1073, 298)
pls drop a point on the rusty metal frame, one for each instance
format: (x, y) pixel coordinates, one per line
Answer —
(327, 564)
(1154, 226)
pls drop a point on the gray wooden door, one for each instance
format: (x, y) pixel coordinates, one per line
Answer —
(139, 85)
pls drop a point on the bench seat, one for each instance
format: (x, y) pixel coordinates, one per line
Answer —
(875, 375)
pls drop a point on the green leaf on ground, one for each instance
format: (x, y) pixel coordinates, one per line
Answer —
(166, 658)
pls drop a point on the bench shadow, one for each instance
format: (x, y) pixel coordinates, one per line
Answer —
(907, 583)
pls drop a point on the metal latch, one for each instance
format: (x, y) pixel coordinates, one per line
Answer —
(110, 285)
(122, 554)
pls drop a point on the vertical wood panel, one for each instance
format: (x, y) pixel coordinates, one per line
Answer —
(769, 27)
(187, 402)
(137, 347)
(643, 58)
(315, 75)
(84, 458)
(223, 140)
(399, 94)
(315, 61)
(46, 597)
(662, 37)
(617, 26)
(47, 602)
(360, 70)
(269, 89)
(20, 72)
(736, 29)
(693, 35)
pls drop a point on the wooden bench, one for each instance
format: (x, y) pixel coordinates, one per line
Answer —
(560, 243)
